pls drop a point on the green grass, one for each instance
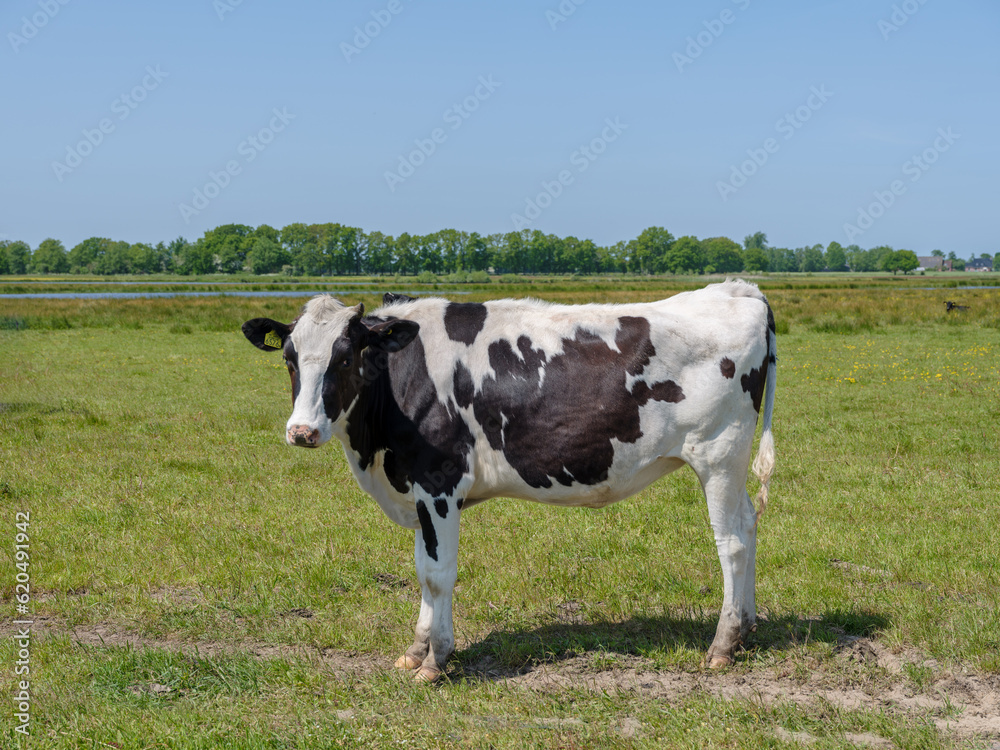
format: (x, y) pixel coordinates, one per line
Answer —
(144, 437)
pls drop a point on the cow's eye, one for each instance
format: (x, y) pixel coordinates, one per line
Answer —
(345, 362)
(289, 364)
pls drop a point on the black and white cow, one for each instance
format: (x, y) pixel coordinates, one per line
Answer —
(441, 405)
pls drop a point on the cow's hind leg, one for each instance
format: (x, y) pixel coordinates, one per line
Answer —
(436, 557)
(734, 524)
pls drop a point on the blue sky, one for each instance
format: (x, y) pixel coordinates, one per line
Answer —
(869, 122)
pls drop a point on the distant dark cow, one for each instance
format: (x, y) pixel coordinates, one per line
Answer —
(441, 405)
(949, 306)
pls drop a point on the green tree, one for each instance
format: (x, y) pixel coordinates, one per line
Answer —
(757, 240)
(580, 255)
(755, 260)
(143, 258)
(194, 259)
(83, 257)
(293, 237)
(175, 251)
(404, 255)
(49, 257)
(876, 255)
(511, 255)
(228, 246)
(451, 246)
(908, 261)
(541, 251)
(267, 231)
(899, 260)
(937, 253)
(114, 260)
(856, 259)
(684, 255)
(835, 257)
(647, 250)
(811, 259)
(267, 256)
(614, 259)
(781, 259)
(4, 265)
(478, 253)
(18, 257)
(379, 252)
(723, 254)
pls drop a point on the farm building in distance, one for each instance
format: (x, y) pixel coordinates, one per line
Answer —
(979, 264)
(934, 263)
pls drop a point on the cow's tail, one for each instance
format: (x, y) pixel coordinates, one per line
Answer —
(763, 463)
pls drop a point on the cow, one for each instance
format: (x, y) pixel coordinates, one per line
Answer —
(441, 405)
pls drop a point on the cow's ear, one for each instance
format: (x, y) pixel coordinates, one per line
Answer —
(266, 334)
(391, 298)
(392, 335)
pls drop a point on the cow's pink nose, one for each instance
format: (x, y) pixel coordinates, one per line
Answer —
(304, 436)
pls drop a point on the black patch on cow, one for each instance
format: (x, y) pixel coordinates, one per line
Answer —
(441, 506)
(398, 411)
(753, 383)
(427, 528)
(668, 391)
(463, 386)
(770, 317)
(464, 320)
(728, 368)
(755, 380)
(391, 298)
(561, 427)
(460, 503)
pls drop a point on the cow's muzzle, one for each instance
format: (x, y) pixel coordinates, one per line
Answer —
(303, 436)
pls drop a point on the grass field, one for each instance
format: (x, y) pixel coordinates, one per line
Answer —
(196, 583)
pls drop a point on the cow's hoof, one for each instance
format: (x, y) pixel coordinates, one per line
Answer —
(407, 663)
(427, 674)
(718, 662)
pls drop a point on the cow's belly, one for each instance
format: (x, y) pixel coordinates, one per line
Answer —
(504, 481)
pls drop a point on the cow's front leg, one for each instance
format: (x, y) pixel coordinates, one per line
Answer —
(436, 556)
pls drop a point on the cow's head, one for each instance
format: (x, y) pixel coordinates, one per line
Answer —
(331, 351)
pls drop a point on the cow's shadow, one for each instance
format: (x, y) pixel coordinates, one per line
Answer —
(508, 653)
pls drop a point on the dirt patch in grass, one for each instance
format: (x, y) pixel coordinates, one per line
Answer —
(860, 675)
(341, 664)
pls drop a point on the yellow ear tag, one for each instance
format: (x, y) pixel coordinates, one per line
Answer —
(272, 339)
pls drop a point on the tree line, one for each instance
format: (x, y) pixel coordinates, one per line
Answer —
(338, 250)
